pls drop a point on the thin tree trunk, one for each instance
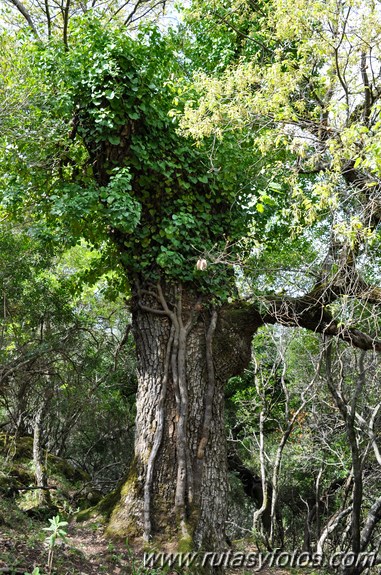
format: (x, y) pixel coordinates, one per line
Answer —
(348, 413)
(258, 513)
(38, 461)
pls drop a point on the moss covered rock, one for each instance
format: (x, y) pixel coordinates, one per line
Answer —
(103, 508)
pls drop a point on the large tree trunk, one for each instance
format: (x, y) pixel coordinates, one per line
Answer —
(177, 489)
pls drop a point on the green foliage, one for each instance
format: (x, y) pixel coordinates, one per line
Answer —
(61, 347)
(122, 176)
(295, 96)
(57, 533)
(267, 102)
(216, 35)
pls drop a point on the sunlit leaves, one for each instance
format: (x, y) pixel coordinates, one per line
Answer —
(312, 92)
(114, 166)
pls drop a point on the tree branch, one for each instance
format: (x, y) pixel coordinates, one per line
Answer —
(367, 89)
(65, 15)
(374, 517)
(301, 312)
(21, 8)
(330, 527)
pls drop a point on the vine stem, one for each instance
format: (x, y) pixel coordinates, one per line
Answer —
(181, 483)
(176, 360)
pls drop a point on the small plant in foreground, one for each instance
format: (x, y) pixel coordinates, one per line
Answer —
(57, 532)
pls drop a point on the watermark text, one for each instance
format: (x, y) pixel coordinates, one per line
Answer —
(259, 560)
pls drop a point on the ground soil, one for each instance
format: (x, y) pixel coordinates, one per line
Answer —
(87, 552)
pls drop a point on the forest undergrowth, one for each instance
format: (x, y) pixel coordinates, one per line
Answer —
(80, 547)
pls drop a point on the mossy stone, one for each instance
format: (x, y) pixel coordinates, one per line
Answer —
(102, 509)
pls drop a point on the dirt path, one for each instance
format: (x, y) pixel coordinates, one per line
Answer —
(87, 552)
(117, 558)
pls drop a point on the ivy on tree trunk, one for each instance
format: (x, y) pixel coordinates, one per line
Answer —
(186, 351)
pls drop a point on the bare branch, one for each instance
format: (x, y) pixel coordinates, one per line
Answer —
(21, 8)
(367, 88)
(374, 517)
(330, 527)
(65, 14)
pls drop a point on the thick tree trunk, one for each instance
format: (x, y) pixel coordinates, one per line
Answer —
(186, 350)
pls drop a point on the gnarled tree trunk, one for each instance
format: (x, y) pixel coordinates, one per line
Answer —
(186, 350)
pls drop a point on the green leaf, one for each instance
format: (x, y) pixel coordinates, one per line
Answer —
(275, 186)
(115, 140)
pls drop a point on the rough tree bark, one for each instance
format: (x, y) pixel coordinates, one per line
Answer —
(186, 350)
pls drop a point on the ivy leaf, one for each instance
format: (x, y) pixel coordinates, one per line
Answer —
(114, 140)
